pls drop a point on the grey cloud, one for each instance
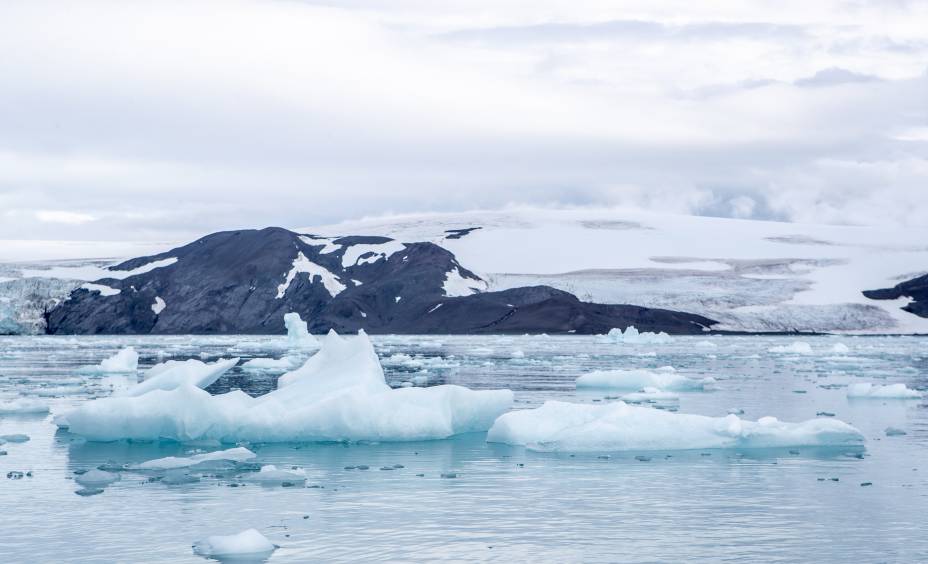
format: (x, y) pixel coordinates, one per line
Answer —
(834, 76)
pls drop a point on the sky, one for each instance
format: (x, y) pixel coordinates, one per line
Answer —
(167, 120)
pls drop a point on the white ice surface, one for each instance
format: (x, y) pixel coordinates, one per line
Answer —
(571, 427)
(339, 394)
(381, 251)
(102, 289)
(158, 306)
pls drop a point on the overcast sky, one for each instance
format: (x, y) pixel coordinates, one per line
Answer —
(166, 120)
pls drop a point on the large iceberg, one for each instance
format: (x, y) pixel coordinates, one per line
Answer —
(571, 427)
(664, 379)
(339, 394)
(874, 391)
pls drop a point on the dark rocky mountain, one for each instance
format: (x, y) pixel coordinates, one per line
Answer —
(916, 288)
(245, 281)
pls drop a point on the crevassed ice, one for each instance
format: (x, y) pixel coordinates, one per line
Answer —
(663, 379)
(338, 394)
(570, 427)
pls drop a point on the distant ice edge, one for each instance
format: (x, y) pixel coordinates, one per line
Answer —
(571, 427)
(339, 394)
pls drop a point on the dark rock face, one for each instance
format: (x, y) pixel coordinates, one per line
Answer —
(916, 288)
(245, 281)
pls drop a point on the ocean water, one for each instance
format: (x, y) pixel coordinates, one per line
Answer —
(505, 503)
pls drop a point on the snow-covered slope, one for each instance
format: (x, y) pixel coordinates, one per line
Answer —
(750, 275)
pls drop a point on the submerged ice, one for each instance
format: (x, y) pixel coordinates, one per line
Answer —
(571, 427)
(339, 394)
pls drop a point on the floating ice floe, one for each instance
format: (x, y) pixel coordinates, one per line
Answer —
(874, 391)
(96, 478)
(22, 406)
(339, 394)
(247, 545)
(270, 474)
(664, 379)
(632, 336)
(570, 427)
(238, 454)
(840, 348)
(126, 360)
(271, 364)
(298, 336)
(796, 347)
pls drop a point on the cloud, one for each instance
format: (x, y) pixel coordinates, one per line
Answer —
(167, 120)
(66, 217)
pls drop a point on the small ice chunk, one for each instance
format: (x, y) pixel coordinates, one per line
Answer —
(248, 544)
(20, 406)
(270, 474)
(15, 438)
(874, 391)
(126, 360)
(96, 478)
(840, 348)
(796, 347)
(237, 454)
(894, 432)
(664, 379)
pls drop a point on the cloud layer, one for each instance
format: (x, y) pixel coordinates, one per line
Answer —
(172, 119)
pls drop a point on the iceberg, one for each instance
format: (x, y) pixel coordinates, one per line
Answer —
(339, 394)
(96, 478)
(238, 454)
(126, 360)
(298, 336)
(22, 406)
(571, 427)
(632, 336)
(874, 391)
(664, 379)
(271, 475)
(247, 545)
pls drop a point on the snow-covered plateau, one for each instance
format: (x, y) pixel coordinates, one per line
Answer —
(755, 276)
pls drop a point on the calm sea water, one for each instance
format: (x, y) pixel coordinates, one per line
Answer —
(506, 504)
